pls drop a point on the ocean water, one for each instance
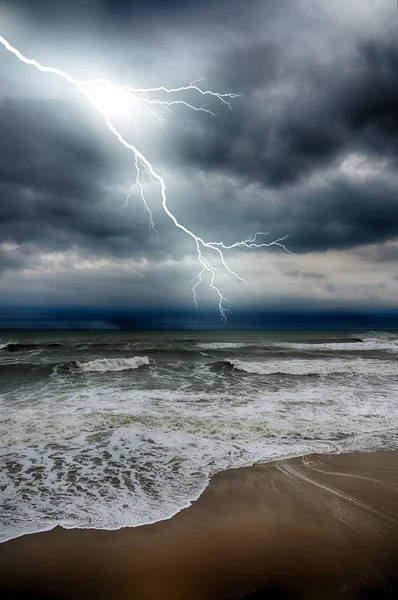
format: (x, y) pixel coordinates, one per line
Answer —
(113, 429)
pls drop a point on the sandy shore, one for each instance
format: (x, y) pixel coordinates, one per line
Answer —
(318, 527)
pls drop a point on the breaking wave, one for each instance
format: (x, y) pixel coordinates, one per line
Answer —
(309, 367)
(383, 342)
(103, 365)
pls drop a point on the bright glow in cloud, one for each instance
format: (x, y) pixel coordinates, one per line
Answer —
(112, 99)
(116, 99)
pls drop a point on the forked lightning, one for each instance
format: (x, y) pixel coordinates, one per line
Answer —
(123, 97)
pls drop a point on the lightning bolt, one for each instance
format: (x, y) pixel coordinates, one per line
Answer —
(144, 99)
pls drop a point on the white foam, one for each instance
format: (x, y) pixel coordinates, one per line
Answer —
(103, 365)
(372, 341)
(366, 346)
(378, 335)
(222, 345)
(317, 367)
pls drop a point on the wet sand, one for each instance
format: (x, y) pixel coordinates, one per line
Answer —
(317, 527)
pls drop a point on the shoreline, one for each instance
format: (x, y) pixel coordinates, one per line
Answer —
(317, 524)
(219, 472)
(190, 501)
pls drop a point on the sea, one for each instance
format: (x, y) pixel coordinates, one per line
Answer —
(109, 429)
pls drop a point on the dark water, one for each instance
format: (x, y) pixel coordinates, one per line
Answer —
(107, 429)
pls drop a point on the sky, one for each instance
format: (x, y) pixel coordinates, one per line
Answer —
(309, 149)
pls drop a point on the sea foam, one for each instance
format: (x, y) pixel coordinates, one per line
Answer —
(315, 367)
(103, 365)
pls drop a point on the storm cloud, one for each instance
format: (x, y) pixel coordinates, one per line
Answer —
(309, 149)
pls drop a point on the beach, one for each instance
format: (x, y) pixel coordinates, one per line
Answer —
(318, 526)
(166, 465)
(114, 429)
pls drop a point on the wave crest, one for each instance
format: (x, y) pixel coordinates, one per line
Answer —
(103, 365)
(223, 345)
(310, 367)
(382, 336)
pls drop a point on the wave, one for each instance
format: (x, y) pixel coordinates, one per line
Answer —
(184, 340)
(17, 371)
(172, 352)
(309, 367)
(223, 345)
(103, 365)
(15, 347)
(118, 345)
(381, 336)
(365, 345)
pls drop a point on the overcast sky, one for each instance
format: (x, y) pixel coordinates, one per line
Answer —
(310, 149)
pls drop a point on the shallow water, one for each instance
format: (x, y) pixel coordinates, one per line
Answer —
(110, 429)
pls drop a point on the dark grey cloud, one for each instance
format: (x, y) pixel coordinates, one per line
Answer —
(56, 187)
(344, 215)
(56, 166)
(115, 7)
(297, 115)
(282, 159)
(133, 15)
